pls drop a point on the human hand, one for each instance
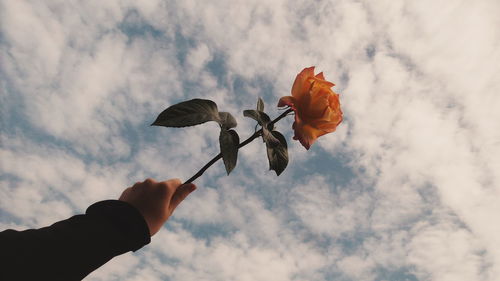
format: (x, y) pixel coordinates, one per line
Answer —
(156, 201)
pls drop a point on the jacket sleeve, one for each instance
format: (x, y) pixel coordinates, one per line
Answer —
(71, 249)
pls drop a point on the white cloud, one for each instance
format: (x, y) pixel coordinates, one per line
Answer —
(198, 57)
(328, 213)
(455, 254)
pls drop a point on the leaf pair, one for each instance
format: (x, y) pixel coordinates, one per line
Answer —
(277, 149)
(263, 120)
(198, 111)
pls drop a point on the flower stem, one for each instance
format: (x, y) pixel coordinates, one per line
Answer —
(245, 142)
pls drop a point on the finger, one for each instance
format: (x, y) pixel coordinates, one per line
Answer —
(180, 194)
(149, 182)
(174, 182)
(168, 188)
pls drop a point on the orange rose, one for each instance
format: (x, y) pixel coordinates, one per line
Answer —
(316, 106)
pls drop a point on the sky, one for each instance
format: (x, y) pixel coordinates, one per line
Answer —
(406, 189)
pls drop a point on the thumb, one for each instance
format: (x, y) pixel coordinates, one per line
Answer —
(181, 193)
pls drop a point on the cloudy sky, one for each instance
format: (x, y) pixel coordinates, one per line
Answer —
(407, 189)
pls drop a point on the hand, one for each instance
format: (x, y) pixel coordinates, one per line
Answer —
(156, 201)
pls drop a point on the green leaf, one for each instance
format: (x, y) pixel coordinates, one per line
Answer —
(277, 153)
(260, 105)
(229, 141)
(227, 120)
(188, 113)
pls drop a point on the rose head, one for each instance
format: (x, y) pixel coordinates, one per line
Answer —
(316, 106)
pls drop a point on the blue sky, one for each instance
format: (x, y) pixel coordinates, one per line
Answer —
(407, 188)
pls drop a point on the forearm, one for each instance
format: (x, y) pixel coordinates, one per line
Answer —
(71, 249)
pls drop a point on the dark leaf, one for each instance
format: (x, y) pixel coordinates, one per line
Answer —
(260, 105)
(188, 113)
(277, 153)
(227, 120)
(263, 120)
(259, 116)
(268, 137)
(229, 141)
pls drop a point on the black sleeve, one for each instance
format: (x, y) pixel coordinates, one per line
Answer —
(71, 249)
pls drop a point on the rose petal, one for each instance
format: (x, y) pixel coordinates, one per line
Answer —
(301, 85)
(328, 126)
(320, 76)
(318, 104)
(306, 134)
(322, 82)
